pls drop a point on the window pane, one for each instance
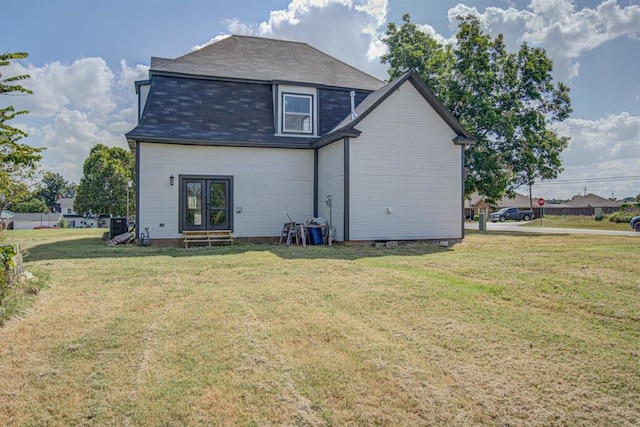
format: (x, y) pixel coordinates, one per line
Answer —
(297, 123)
(218, 216)
(218, 198)
(194, 203)
(297, 104)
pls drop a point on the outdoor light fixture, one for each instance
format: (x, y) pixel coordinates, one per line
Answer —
(171, 179)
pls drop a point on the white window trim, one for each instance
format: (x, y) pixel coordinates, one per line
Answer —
(303, 91)
(308, 97)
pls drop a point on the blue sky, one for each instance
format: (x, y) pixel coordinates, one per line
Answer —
(85, 56)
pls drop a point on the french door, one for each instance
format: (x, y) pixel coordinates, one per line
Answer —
(206, 202)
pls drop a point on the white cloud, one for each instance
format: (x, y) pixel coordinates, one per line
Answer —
(346, 29)
(558, 26)
(75, 106)
(84, 84)
(599, 150)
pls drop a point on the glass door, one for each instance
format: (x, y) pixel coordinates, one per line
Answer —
(206, 203)
(194, 206)
(218, 203)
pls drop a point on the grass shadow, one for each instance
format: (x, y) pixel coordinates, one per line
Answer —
(94, 248)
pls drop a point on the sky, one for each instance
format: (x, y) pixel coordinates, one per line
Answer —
(84, 57)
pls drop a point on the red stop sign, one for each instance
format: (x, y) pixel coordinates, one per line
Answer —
(540, 201)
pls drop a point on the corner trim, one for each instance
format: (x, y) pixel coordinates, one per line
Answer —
(316, 174)
(347, 198)
(137, 188)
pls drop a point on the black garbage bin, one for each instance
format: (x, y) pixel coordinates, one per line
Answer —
(117, 226)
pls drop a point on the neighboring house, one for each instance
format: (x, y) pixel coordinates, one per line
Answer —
(478, 205)
(584, 205)
(243, 132)
(27, 221)
(6, 219)
(64, 205)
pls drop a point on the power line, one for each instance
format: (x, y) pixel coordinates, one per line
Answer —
(588, 180)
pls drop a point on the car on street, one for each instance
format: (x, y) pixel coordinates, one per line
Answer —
(511, 213)
(635, 223)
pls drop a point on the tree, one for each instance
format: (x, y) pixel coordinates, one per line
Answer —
(17, 161)
(34, 205)
(53, 185)
(103, 186)
(506, 100)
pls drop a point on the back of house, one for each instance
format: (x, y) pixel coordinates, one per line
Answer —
(246, 132)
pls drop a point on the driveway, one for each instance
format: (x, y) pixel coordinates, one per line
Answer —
(517, 227)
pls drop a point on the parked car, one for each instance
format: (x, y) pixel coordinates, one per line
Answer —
(511, 213)
(635, 223)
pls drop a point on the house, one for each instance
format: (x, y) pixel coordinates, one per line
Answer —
(6, 219)
(28, 221)
(247, 131)
(476, 204)
(64, 205)
(584, 205)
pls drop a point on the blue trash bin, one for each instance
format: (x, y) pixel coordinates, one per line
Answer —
(315, 235)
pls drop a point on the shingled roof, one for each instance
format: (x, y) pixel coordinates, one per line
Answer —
(261, 59)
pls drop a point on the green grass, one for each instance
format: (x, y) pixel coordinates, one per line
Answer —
(499, 330)
(573, 221)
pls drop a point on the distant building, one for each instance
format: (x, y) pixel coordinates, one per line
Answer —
(584, 205)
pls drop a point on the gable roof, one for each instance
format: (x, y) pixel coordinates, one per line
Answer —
(254, 58)
(593, 201)
(517, 201)
(374, 99)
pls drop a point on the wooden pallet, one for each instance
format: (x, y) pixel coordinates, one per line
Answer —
(207, 236)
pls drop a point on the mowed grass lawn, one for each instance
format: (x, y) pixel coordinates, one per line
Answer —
(574, 221)
(499, 330)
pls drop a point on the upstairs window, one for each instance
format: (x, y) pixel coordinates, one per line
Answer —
(297, 113)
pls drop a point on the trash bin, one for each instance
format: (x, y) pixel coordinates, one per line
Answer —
(482, 222)
(117, 226)
(315, 235)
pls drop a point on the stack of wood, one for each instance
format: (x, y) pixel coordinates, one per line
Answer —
(120, 239)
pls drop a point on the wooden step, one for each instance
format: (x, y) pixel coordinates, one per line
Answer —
(207, 236)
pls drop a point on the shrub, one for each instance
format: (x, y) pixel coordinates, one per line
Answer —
(621, 216)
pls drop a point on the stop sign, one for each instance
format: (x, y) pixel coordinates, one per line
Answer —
(540, 201)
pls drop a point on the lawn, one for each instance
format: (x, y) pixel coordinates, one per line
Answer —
(574, 221)
(498, 330)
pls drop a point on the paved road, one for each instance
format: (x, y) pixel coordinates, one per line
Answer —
(517, 227)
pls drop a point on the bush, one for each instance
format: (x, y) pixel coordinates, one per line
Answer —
(621, 216)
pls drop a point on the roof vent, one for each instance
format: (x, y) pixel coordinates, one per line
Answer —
(353, 105)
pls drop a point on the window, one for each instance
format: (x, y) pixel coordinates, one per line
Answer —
(297, 113)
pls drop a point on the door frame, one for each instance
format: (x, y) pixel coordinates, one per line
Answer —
(205, 190)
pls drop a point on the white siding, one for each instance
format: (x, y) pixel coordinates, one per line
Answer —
(331, 182)
(268, 184)
(405, 161)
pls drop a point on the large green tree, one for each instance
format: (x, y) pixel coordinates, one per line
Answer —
(53, 185)
(508, 101)
(103, 186)
(33, 205)
(18, 161)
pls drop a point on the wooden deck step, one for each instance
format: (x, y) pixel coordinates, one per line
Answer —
(207, 236)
